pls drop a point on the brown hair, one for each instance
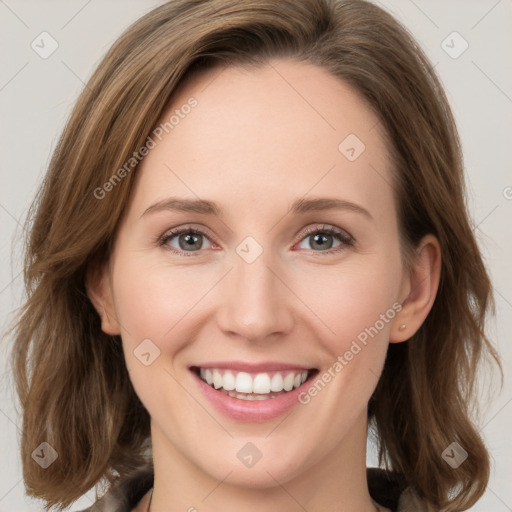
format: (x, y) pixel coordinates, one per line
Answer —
(71, 378)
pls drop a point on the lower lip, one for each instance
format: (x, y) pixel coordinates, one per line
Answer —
(255, 411)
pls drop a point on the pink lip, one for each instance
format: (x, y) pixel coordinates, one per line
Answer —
(255, 411)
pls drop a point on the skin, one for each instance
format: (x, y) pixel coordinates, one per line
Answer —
(257, 140)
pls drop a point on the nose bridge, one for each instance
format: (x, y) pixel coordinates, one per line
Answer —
(254, 304)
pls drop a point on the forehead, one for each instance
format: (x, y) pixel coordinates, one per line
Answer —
(276, 132)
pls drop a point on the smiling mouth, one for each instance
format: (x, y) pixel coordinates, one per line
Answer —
(253, 386)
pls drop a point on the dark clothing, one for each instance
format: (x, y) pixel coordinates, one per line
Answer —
(386, 488)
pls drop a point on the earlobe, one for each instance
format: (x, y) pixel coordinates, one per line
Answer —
(99, 292)
(422, 285)
(399, 333)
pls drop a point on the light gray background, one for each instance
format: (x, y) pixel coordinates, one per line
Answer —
(36, 96)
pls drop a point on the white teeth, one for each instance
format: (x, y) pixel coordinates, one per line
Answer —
(228, 381)
(243, 383)
(288, 382)
(277, 383)
(217, 379)
(250, 397)
(260, 386)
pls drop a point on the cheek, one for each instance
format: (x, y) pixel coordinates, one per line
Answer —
(150, 300)
(351, 300)
(156, 303)
(156, 299)
(358, 307)
(362, 306)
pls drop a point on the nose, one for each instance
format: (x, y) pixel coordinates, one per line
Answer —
(255, 302)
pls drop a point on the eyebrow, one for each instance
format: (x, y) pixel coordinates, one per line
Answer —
(300, 206)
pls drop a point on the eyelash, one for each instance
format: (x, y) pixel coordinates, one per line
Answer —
(345, 239)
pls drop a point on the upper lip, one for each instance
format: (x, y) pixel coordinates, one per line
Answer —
(241, 366)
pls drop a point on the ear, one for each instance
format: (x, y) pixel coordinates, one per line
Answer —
(419, 290)
(99, 290)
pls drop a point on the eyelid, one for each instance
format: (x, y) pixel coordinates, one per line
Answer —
(326, 228)
(186, 228)
(345, 238)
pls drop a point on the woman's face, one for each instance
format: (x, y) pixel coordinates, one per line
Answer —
(288, 267)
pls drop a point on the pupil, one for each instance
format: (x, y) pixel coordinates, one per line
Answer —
(189, 241)
(324, 237)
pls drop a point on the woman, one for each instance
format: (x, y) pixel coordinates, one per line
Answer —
(251, 246)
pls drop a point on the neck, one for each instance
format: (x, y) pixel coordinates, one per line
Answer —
(333, 483)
